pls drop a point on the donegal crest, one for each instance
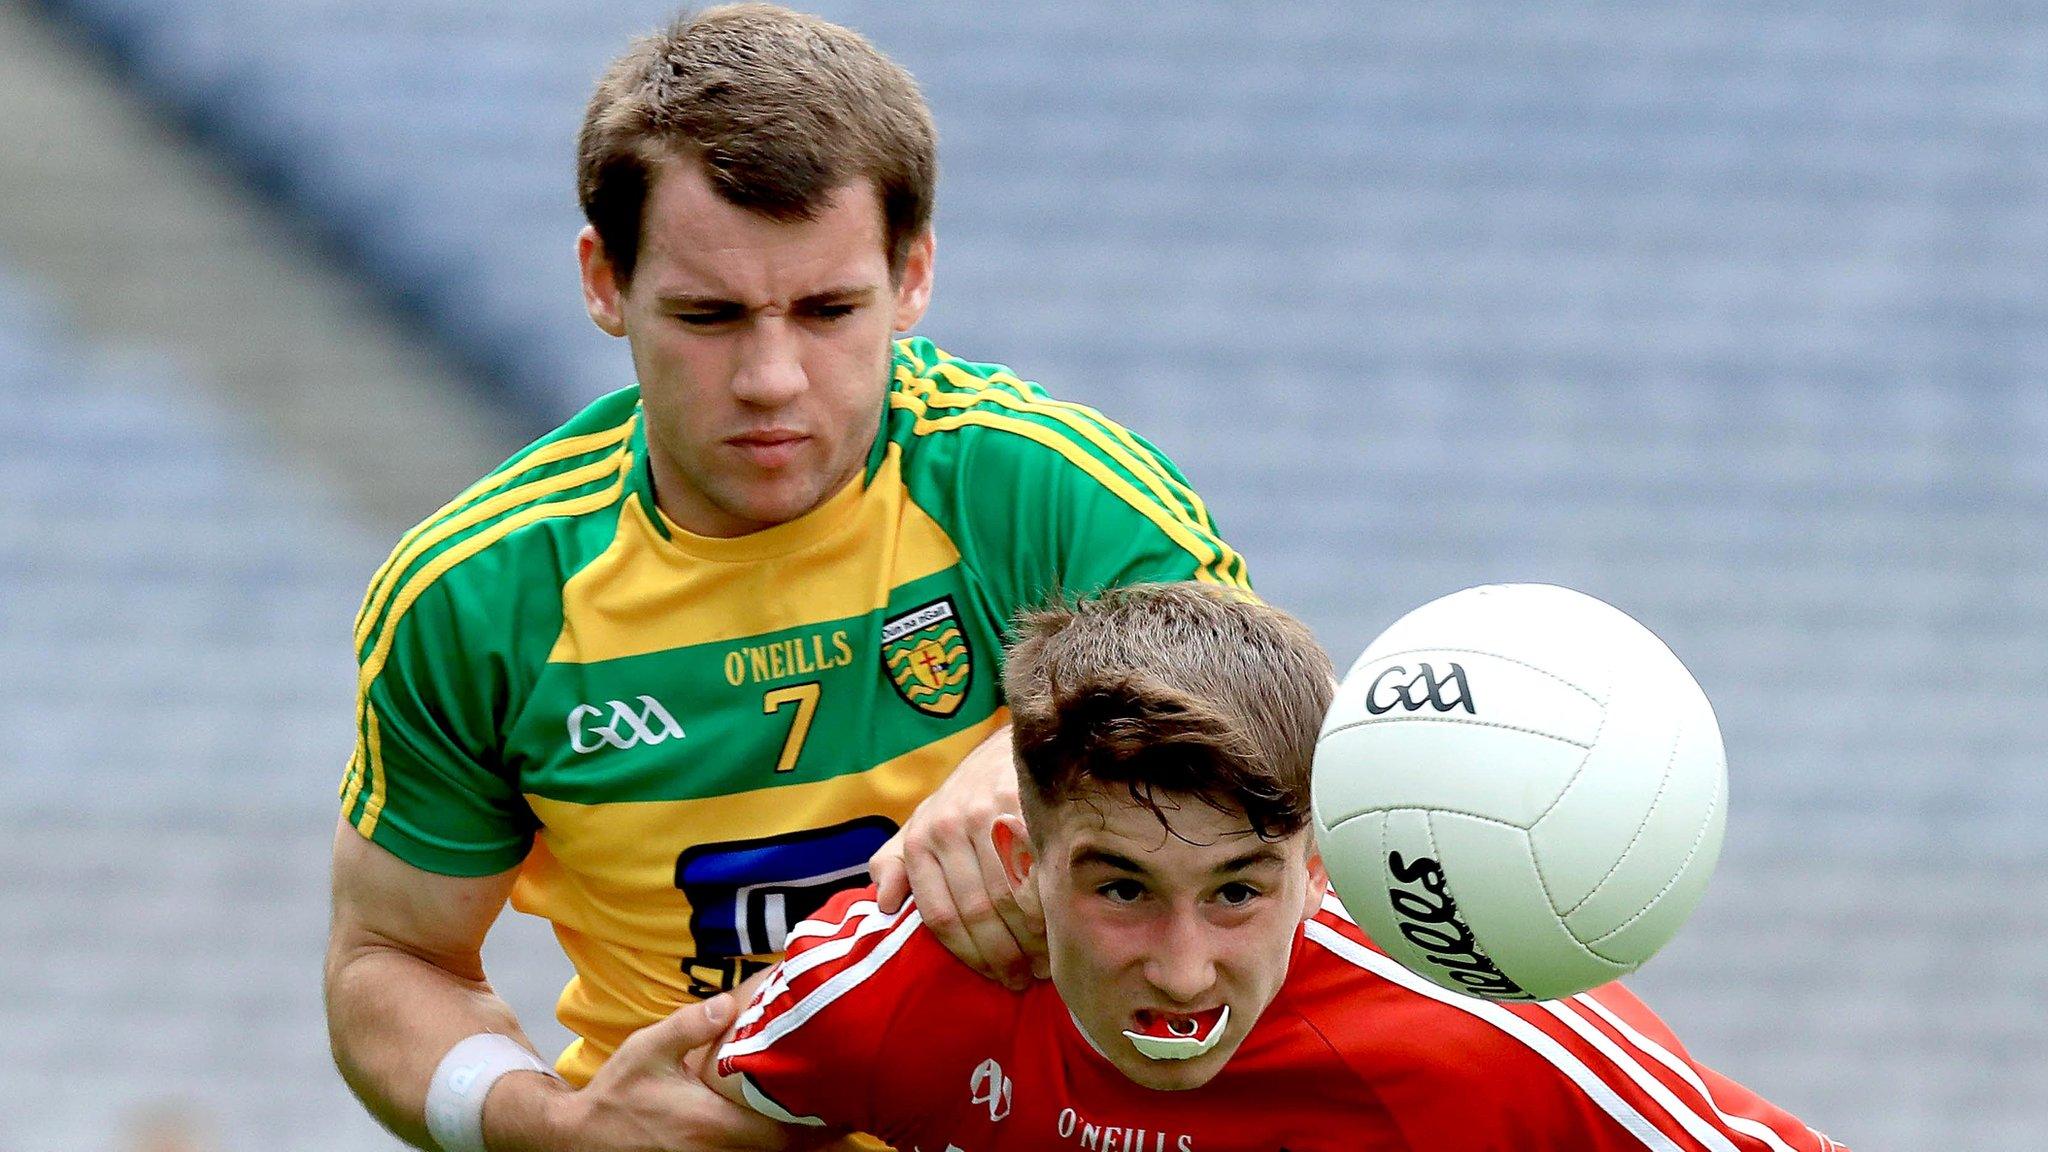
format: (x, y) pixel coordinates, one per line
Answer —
(927, 657)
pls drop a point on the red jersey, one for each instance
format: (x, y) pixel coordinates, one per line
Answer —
(871, 1024)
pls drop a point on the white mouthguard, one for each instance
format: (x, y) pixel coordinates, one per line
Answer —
(1179, 1047)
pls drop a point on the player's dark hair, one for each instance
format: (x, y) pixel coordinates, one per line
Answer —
(781, 109)
(1165, 690)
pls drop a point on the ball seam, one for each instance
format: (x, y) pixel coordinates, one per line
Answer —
(1578, 773)
(1426, 812)
(1414, 719)
(1677, 874)
(1649, 813)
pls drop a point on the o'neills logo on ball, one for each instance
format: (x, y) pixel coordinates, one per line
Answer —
(1430, 921)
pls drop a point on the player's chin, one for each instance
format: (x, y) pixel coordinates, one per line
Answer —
(1179, 1075)
(775, 500)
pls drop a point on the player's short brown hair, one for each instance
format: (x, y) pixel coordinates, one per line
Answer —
(1170, 689)
(780, 108)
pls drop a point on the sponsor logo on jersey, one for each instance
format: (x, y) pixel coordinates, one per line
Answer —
(710, 975)
(804, 655)
(746, 895)
(1430, 921)
(1110, 1138)
(989, 1086)
(624, 728)
(1425, 687)
(928, 658)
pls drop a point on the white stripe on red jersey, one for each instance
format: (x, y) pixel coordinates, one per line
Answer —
(863, 917)
(1711, 1127)
(1743, 1124)
(880, 1029)
(816, 927)
(1701, 1129)
(816, 994)
(1534, 1038)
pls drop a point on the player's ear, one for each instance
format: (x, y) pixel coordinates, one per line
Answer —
(1318, 884)
(914, 283)
(1013, 845)
(601, 287)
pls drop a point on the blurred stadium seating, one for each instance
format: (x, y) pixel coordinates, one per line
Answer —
(1735, 315)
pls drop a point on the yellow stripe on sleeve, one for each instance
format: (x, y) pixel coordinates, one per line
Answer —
(374, 743)
(540, 457)
(352, 780)
(1221, 560)
(905, 347)
(1029, 392)
(476, 514)
(1085, 420)
(619, 462)
(1033, 394)
(1206, 555)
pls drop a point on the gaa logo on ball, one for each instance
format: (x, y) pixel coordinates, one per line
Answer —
(1519, 792)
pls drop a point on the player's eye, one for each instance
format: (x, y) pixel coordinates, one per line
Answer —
(1121, 891)
(708, 317)
(833, 311)
(1236, 894)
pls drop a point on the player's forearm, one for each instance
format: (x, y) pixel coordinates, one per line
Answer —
(391, 1016)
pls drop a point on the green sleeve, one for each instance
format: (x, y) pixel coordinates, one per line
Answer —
(426, 780)
(1059, 500)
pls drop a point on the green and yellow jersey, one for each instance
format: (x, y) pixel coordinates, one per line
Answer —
(689, 743)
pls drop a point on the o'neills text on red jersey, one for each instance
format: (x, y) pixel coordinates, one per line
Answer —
(1104, 1138)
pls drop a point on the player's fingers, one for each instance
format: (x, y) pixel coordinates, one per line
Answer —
(1002, 958)
(941, 914)
(1041, 957)
(692, 1026)
(1026, 929)
(892, 881)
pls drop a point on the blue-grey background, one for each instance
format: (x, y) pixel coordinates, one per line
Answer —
(1733, 314)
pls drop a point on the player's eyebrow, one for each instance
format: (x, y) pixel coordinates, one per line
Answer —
(711, 301)
(1263, 856)
(844, 294)
(1103, 857)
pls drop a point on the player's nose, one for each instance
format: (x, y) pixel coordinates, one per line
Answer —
(770, 372)
(1182, 964)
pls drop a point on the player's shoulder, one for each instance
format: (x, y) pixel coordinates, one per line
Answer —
(983, 449)
(947, 412)
(864, 967)
(527, 524)
(922, 369)
(1373, 1010)
(1384, 1021)
(851, 937)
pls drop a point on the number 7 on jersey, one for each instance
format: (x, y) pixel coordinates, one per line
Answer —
(805, 697)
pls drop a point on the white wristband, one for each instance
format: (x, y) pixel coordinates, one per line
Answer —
(455, 1098)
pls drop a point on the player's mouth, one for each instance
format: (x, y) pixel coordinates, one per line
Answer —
(1161, 1035)
(769, 448)
(1175, 1025)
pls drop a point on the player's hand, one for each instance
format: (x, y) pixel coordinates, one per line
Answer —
(945, 855)
(649, 1096)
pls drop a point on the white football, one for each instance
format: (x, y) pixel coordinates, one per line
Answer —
(1520, 792)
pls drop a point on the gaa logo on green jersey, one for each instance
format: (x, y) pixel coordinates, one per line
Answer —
(927, 657)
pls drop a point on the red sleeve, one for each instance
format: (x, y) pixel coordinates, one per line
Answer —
(1596, 1072)
(1643, 1063)
(808, 1045)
